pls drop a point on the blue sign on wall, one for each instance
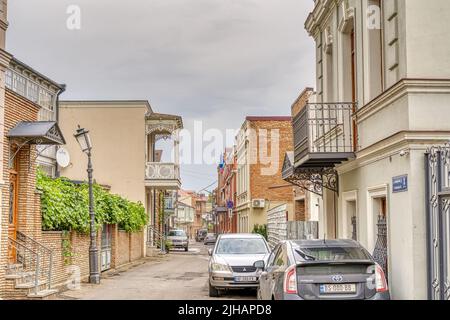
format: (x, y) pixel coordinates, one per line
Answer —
(400, 184)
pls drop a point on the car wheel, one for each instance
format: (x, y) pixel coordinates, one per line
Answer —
(213, 292)
(186, 249)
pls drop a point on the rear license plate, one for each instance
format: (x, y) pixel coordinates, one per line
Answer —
(338, 288)
(245, 279)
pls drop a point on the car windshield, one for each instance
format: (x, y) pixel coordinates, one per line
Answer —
(329, 254)
(177, 233)
(241, 246)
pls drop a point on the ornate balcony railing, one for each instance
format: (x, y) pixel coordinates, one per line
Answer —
(324, 134)
(161, 171)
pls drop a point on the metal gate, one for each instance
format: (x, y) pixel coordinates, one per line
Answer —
(438, 222)
(106, 247)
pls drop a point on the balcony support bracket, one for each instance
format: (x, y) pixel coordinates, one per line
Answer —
(315, 179)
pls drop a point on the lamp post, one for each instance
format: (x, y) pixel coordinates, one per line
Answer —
(84, 141)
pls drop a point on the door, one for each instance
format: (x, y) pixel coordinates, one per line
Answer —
(106, 247)
(13, 208)
(438, 222)
(264, 283)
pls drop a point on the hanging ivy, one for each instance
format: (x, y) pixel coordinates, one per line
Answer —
(65, 206)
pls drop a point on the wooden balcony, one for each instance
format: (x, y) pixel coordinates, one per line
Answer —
(324, 135)
(162, 175)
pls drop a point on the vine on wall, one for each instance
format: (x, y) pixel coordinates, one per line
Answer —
(65, 206)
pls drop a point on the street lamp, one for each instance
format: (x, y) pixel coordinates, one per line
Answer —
(84, 141)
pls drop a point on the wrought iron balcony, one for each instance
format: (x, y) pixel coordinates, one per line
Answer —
(169, 203)
(164, 175)
(324, 135)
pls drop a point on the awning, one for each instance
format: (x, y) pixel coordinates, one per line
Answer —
(37, 132)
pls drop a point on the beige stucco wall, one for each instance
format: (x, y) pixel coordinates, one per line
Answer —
(118, 136)
(406, 213)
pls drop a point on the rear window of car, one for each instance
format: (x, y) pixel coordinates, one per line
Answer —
(177, 233)
(241, 246)
(302, 254)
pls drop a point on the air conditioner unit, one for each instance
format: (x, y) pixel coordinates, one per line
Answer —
(259, 203)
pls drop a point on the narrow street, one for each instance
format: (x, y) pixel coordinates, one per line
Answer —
(179, 275)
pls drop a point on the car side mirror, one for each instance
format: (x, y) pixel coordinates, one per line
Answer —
(260, 264)
(210, 252)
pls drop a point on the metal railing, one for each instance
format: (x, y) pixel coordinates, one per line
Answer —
(324, 128)
(44, 265)
(155, 237)
(162, 171)
(29, 261)
(380, 253)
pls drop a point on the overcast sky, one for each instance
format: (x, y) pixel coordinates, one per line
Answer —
(211, 60)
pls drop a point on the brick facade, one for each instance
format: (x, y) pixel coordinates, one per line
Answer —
(126, 247)
(18, 109)
(270, 187)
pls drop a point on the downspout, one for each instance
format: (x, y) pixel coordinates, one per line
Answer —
(428, 226)
(61, 91)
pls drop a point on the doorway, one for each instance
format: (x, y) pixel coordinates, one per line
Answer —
(106, 247)
(13, 207)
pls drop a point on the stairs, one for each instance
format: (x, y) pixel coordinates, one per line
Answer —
(29, 276)
(21, 284)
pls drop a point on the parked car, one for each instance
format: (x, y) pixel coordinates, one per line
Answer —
(321, 269)
(210, 238)
(201, 235)
(231, 264)
(178, 239)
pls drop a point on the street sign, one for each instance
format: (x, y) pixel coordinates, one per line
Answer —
(400, 184)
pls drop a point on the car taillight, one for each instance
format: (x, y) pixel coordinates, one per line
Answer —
(290, 280)
(380, 279)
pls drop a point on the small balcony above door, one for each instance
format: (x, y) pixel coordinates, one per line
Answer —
(162, 175)
(324, 135)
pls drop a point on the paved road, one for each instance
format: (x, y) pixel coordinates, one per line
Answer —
(179, 275)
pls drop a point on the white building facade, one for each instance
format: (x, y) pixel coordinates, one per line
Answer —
(383, 82)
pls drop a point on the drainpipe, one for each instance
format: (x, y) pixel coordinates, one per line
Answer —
(61, 91)
(428, 226)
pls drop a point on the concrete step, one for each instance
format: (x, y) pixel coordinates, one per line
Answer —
(20, 275)
(14, 268)
(30, 285)
(43, 294)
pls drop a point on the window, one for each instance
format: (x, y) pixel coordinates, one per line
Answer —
(280, 258)
(32, 91)
(272, 256)
(19, 84)
(241, 246)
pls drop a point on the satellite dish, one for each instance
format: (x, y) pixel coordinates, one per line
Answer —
(63, 157)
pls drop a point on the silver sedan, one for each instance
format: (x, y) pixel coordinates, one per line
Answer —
(232, 262)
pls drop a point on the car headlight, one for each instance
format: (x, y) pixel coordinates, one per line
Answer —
(220, 267)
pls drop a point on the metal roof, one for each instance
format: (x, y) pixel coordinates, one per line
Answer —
(37, 132)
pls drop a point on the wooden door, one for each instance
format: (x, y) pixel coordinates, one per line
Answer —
(13, 208)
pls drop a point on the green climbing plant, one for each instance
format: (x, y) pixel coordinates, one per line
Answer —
(260, 229)
(65, 206)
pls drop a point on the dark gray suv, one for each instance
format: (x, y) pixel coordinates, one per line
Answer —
(321, 269)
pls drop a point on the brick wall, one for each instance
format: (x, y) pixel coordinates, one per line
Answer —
(301, 101)
(123, 243)
(79, 248)
(268, 186)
